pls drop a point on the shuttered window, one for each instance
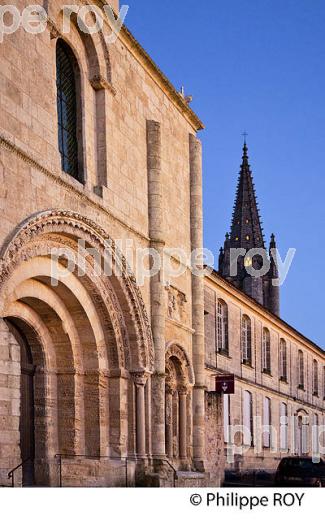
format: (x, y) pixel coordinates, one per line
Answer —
(66, 67)
(301, 369)
(248, 437)
(315, 377)
(246, 340)
(267, 422)
(283, 427)
(283, 360)
(266, 351)
(222, 327)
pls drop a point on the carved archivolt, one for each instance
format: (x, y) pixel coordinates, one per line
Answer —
(117, 297)
(179, 370)
(96, 48)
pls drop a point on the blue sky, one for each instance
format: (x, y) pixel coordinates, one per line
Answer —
(259, 66)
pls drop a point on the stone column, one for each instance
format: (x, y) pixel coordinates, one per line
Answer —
(169, 422)
(104, 413)
(182, 393)
(118, 383)
(71, 424)
(157, 291)
(197, 304)
(140, 382)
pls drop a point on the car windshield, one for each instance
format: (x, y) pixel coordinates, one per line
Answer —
(305, 463)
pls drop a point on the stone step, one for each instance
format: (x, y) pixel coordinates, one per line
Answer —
(191, 479)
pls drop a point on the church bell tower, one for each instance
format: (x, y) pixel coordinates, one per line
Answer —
(236, 264)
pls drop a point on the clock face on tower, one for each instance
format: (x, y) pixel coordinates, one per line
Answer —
(248, 262)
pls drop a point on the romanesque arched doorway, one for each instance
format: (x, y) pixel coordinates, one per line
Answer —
(178, 402)
(86, 350)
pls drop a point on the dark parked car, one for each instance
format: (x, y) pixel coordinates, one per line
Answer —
(300, 471)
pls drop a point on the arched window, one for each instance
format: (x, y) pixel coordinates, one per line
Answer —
(315, 377)
(284, 427)
(266, 351)
(315, 435)
(246, 335)
(222, 327)
(248, 433)
(283, 360)
(301, 378)
(69, 110)
(267, 420)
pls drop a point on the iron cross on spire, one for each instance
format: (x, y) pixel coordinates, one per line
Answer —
(245, 134)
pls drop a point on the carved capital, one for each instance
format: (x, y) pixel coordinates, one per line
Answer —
(170, 389)
(140, 378)
(98, 82)
(54, 31)
(182, 390)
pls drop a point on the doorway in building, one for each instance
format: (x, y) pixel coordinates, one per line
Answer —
(26, 419)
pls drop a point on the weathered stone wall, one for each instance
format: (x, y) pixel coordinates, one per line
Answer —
(121, 92)
(214, 438)
(9, 404)
(30, 172)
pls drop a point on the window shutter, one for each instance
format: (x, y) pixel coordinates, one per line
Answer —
(283, 427)
(67, 109)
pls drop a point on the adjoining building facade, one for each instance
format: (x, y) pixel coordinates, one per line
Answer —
(278, 405)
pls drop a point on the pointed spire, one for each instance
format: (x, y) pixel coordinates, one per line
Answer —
(272, 242)
(247, 233)
(273, 268)
(245, 150)
(274, 289)
(246, 228)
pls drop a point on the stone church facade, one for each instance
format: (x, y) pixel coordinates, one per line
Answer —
(100, 384)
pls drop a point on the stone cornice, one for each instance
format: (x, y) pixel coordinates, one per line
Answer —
(159, 77)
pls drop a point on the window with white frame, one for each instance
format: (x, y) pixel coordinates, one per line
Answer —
(301, 369)
(226, 417)
(246, 334)
(266, 351)
(222, 327)
(283, 427)
(283, 360)
(315, 377)
(267, 422)
(248, 437)
(315, 436)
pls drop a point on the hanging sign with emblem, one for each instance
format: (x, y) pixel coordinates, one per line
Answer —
(225, 384)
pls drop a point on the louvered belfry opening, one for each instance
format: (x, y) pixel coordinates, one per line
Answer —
(67, 105)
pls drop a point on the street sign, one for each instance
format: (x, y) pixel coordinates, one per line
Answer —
(225, 384)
